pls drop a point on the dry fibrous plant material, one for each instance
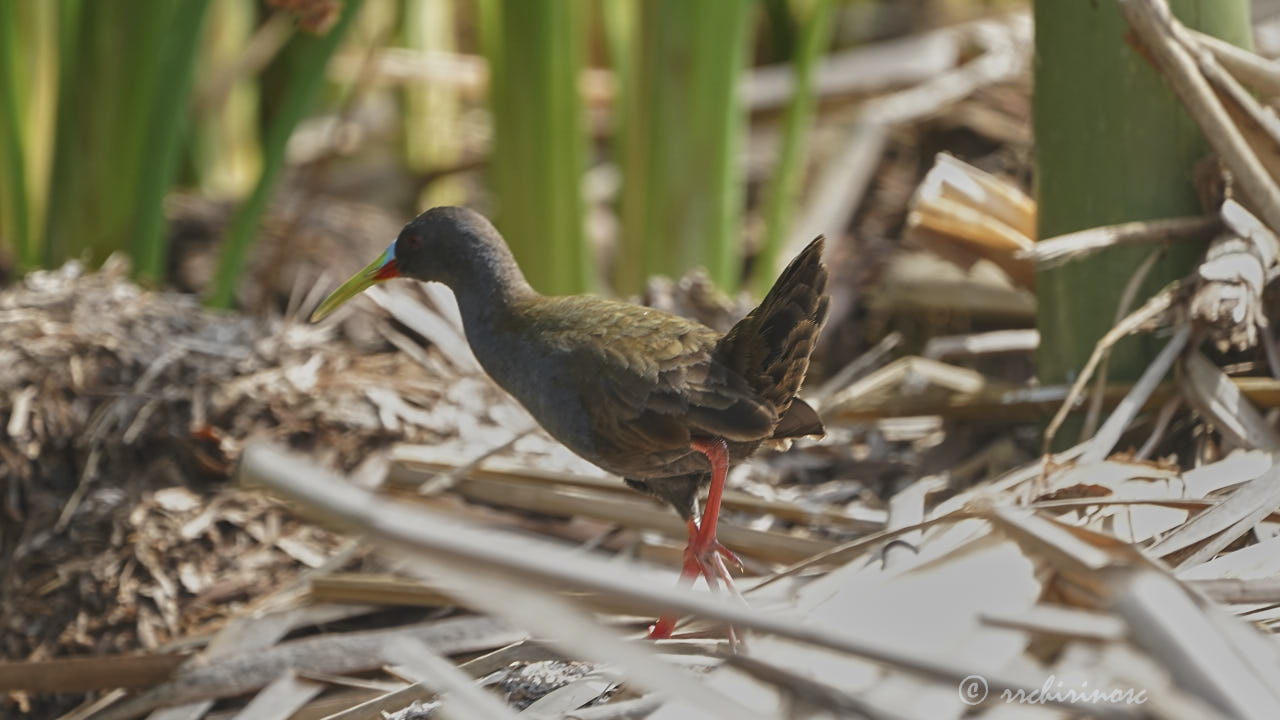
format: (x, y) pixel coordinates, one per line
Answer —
(866, 633)
(124, 410)
(332, 653)
(1189, 70)
(1152, 313)
(1207, 74)
(839, 189)
(1238, 265)
(977, 211)
(148, 400)
(1055, 250)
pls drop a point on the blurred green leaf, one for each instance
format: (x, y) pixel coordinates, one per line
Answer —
(225, 148)
(170, 118)
(682, 195)
(14, 231)
(306, 59)
(535, 51)
(108, 88)
(433, 137)
(814, 35)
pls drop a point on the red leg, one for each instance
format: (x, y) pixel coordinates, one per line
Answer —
(706, 548)
(718, 453)
(692, 568)
(702, 556)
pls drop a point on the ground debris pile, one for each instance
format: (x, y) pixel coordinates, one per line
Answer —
(124, 413)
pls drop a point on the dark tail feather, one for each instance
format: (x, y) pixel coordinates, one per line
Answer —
(770, 347)
(799, 420)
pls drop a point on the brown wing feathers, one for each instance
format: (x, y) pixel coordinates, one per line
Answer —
(768, 350)
(770, 347)
(740, 387)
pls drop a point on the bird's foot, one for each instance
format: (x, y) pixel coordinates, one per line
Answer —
(709, 558)
(727, 554)
(705, 557)
(704, 554)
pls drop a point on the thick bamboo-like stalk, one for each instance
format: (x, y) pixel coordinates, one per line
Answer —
(1113, 145)
(813, 37)
(306, 60)
(535, 50)
(682, 196)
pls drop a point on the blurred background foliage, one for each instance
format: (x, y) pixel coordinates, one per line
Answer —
(107, 106)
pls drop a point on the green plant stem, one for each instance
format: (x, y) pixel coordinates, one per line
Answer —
(432, 111)
(108, 87)
(307, 60)
(64, 177)
(170, 118)
(13, 204)
(682, 197)
(226, 156)
(784, 190)
(535, 50)
(37, 30)
(1113, 144)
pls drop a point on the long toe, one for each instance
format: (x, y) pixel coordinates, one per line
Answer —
(711, 561)
(729, 555)
(710, 557)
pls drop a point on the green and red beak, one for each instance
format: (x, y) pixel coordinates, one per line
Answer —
(384, 268)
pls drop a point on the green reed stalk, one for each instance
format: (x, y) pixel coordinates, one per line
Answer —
(813, 36)
(432, 123)
(535, 50)
(14, 230)
(682, 196)
(225, 150)
(306, 59)
(169, 119)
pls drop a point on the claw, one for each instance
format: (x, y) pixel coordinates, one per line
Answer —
(732, 557)
(711, 564)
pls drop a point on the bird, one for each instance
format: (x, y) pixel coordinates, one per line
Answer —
(662, 401)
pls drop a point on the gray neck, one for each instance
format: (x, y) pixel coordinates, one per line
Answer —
(490, 291)
(490, 281)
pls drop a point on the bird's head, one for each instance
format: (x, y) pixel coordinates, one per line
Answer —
(443, 244)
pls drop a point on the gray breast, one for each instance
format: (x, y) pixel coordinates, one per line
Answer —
(542, 382)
